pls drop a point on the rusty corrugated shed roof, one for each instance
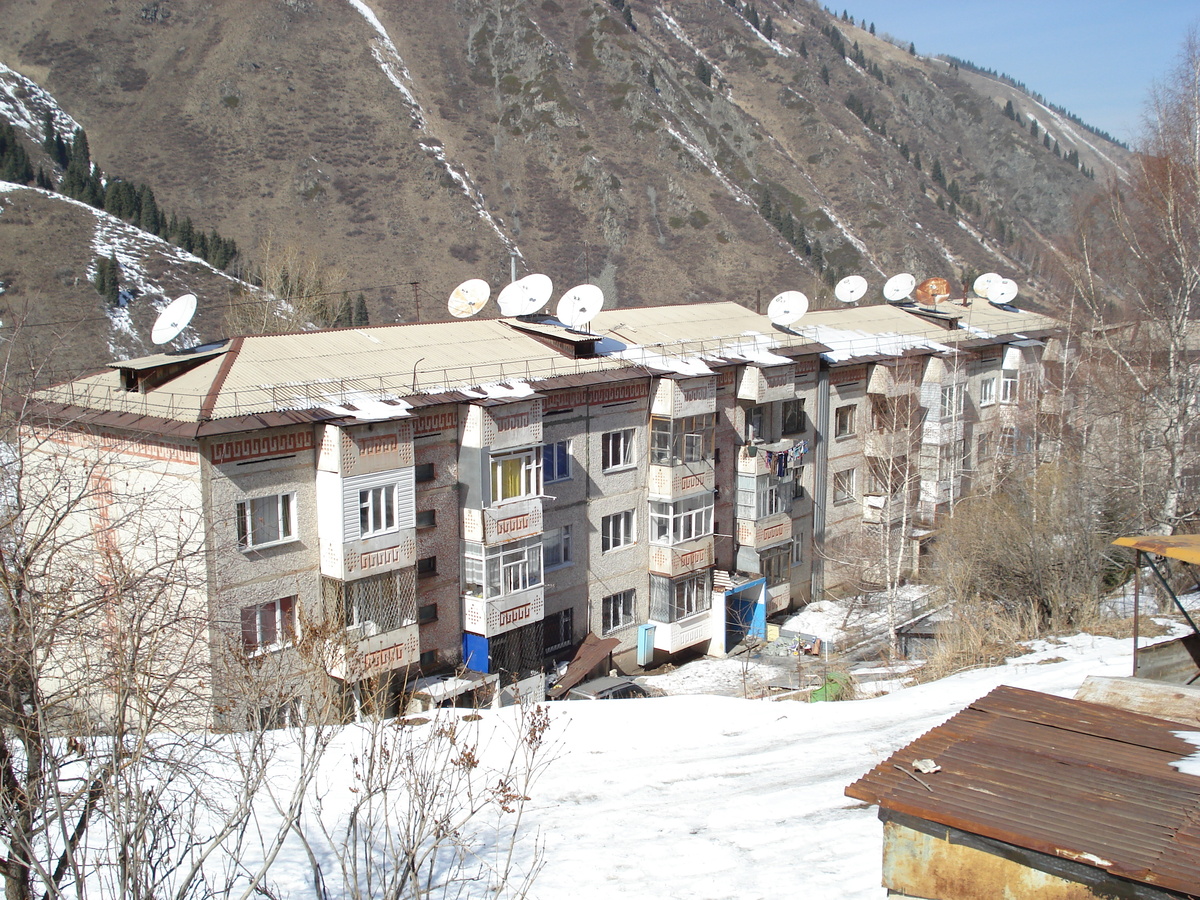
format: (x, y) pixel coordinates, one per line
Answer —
(1072, 779)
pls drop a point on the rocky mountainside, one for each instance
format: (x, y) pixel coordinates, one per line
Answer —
(674, 151)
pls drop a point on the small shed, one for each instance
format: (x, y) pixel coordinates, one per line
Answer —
(1037, 796)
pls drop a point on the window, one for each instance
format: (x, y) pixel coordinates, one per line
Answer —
(268, 626)
(763, 496)
(1008, 386)
(616, 611)
(557, 631)
(556, 461)
(424, 472)
(843, 485)
(983, 447)
(427, 518)
(686, 439)
(428, 660)
(502, 570)
(617, 449)
(386, 601)
(797, 548)
(286, 714)
(516, 475)
(692, 595)
(616, 531)
(683, 520)
(556, 548)
(987, 391)
(953, 401)
(843, 421)
(775, 563)
(265, 521)
(794, 420)
(427, 613)
(427, 567)
(756, 423)
(377, 510)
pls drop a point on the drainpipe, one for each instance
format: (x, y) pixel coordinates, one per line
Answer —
(820, 483)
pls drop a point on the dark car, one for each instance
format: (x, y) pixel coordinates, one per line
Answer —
(609, 688)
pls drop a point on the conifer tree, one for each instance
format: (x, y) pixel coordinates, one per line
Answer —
(361, 317)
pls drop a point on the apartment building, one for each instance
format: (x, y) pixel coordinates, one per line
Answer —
(487, 493)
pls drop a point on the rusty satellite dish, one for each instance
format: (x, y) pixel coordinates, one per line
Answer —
(469, 298)
(983, 282)
(932, 291)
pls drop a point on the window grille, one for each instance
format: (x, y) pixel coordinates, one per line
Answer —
(389, 599)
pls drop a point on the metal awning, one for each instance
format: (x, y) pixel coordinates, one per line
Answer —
(590, 654)
(1185, 547)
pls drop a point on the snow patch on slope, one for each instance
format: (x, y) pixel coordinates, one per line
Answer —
(383, 49)
(24, 104)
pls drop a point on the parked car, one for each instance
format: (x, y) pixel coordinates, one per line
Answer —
(608, 688)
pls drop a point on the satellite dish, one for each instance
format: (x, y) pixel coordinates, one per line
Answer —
(173, 319)
(525, 296)
(851, 289)
(898, 287)
(983, 282)
(932, 291)
(538, 289)
(469, 298)
(1002, 291)
(786, 308)
(578, 306)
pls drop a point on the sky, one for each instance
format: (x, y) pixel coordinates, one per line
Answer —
(1096, 58)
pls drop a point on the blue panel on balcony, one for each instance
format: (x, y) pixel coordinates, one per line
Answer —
(746, 612)
(645, 653)
(475, 653)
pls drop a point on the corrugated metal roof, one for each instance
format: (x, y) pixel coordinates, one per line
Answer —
(693, 323)
(1177, 546)
(1068, 778)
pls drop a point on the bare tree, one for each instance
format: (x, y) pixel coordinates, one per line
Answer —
(288, 290)
(1138, 274)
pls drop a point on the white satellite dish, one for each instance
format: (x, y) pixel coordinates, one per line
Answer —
(525, 296)
(1002, 292)
(173, 319)
(851, 289)
(469, 298)
(898, 287)
(786, 308)
(578, 306)
(538, 289)
(983, 282)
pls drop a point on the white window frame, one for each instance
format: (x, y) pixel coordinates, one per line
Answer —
(987, 390)
(953, 400)
(557, 542)
(617, 450)
(617, 611)
(683, 520)
(688, 439)
(498, 571)
(690, 596)
(618, 530)
(843, 420)
(276, 624)
(276, 510)
(529, 474)
(844, 486)
(774, 564)
(797, 548)
(378, 510)
(1009, 385)
(556, 462)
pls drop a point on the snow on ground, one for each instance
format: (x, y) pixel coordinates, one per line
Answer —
(713, 797)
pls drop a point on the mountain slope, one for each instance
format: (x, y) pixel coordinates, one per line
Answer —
(412, 145)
